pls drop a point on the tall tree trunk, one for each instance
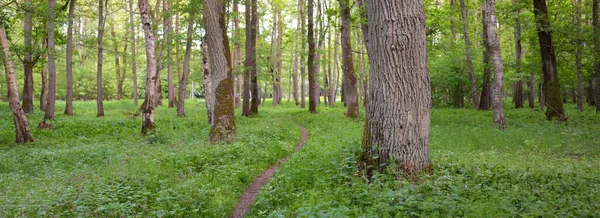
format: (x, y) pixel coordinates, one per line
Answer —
(160, 50)
(99, 99)
(295, 72)
(44, 94)
(28, 61)
(69, 97)
(551, 89)
(474, 97)
(207, 82)
(237, 55)
(312, 83)
(177, 46)
(333, 79)
(133, 62)
(532, 91)
(596, 23)
(302, 56)
(223, 128)
(186, 65)
(579, 95)
(23, 135)
(250, 59)
(149, 106)
(51, 102)
(364, 26)
(279, 57)
(485, 100)
(168, 40)
(398, 114)
(274, 55)
(351, 97)
(518, 95)
(117, 64)
(254, 87)
(494, 44)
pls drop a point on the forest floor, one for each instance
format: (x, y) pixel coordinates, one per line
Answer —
(88, 166)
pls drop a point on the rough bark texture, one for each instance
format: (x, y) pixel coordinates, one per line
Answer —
(223, 127)
(148, 125)
(302, 56)
(250, 58)
(51, 100)
(596, 23)
(578, 52)
(69, 97)
(398, 114)
(551, 89)
(496, 56)
(207, 82)
(312, 83)
(44, 94)
(186, 65)
(23, 135)
(351, 97)
(518, 95)
(254, 88)
(133, 62)
(474, 97)
(485, 100)
(28, 61)
(99, 104)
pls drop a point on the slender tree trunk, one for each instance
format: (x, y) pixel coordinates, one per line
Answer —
(398, 113)
(295, 72)
(279, 57)
(117, 64)
(49, 115)
(23, 135)
(474, 97)
(596, 23)
(168, 39)
(551, 89)
(133, 62)
(532, 91)
(160, 47)
(254, 87)
(494, 44)
(28, 61)
(186, 65)
(361, 82)
(312, 83)
(518, 95)
(485, 101)
(302, 56)
(223, 128)
(207, 82)
(333, 84)
(250, 59)
(44, 94)
(351, 97)
(237, 55)
(274, 55)
(99, 99)
(578, 52)
(121, 79)
(148, 124)
(69, 97)
(177, 47)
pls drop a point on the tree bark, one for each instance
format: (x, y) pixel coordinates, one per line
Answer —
(485, 100)
(312, 83)
(578, 52)
(133, 62)
(494, 45)
(302, 56)
(596, 23)
(474, 97)
(51, 100)
(99, 99)
(148, 124)
(532, 91)
(254, 87)
(237, 55)
(551, 89)
(23, 135)
(168, 40)
(207, 82)
(518, 95)
(223, 127)
(295, 72)
(250, 58)
(186, 65)
(69, 97)
(44, 94)
(117, 64)
(351, 97)
(274, 55)
(398, 114)
(333, 84)
(28, 61)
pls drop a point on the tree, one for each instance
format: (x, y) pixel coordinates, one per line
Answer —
(302, 56)
(295, 72)
(223, 127)
(551, 88)
(69, 98)
(101, 21)
(351, 97)
(312, 83)
(254, 89)
(51, 100)
(485, 100)
(398, 113)
(494, 45)
(207, 82)
(168, 39)
(578, 57)
(23, 134)
(150, 101)
(518, 95)
(596, 22)
(463, 10)
(133, 62)
(186, 64)
(250, 59)
(29, 60)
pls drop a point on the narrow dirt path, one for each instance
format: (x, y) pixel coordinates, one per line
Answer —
(249, 195)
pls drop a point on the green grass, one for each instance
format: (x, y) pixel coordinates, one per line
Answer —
(90, 166)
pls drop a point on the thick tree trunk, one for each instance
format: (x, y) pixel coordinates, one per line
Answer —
(302, 56)
(99, 99)
(133, 62)
(207, 82)
(223, 128)
(596, 23)
(474, 97)
(551, 89)
(485, 100)
(69, 97)
(254, 87)
(28, 60)
(578, 52)
(351, 97)
(312, 83)
(148, 124)
(494, 44)
(398, 114)
(50, 106)
(23, 135)
(186, 65)
(518, 95)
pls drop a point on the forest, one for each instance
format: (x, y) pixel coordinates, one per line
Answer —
(300, 108)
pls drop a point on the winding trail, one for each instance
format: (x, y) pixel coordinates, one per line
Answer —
(249, 195)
